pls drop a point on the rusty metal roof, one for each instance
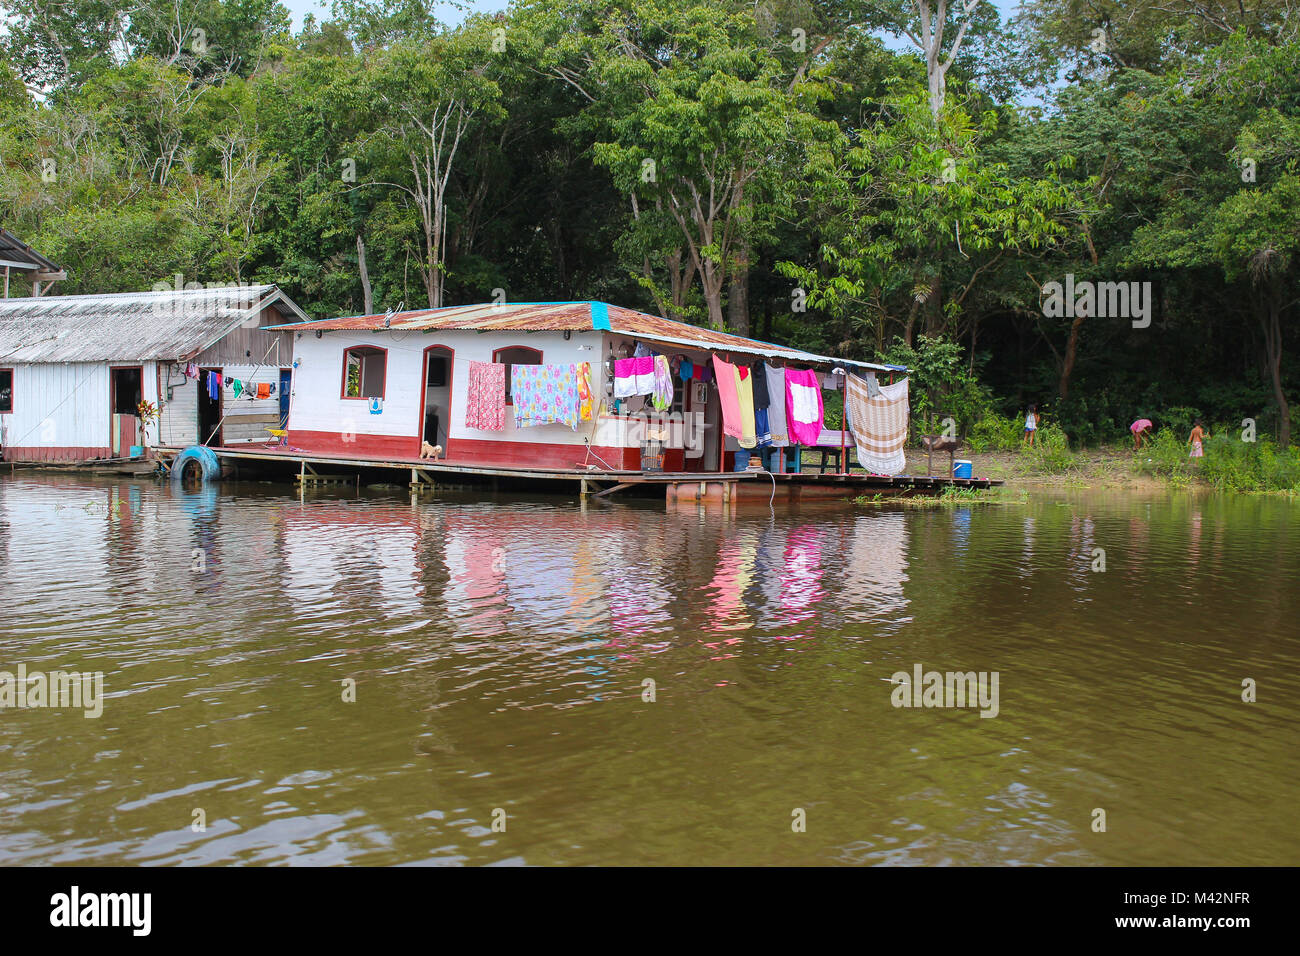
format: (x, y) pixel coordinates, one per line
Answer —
(130, 326)
(571, 317)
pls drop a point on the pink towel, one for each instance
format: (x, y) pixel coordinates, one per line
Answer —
(729, 397)
(634, 376)
(803, 406)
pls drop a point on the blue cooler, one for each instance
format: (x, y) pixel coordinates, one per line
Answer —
(961, 469)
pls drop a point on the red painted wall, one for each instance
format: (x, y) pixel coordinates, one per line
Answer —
(56, 453)
(474, 452)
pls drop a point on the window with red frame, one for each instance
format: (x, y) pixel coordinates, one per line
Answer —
(516, 355)
(364, 371)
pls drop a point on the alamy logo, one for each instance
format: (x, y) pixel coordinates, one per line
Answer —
(103, 909)
(24, 690)
(1103, 300)
(951, 689)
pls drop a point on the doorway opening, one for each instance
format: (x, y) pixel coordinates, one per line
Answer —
(125, 395)
(435, 405)
(209, 409)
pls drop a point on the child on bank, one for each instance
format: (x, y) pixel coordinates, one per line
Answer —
(1031, 424)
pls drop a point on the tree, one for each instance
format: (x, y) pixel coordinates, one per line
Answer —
(425, 97)
(939, 29)
(915, 217)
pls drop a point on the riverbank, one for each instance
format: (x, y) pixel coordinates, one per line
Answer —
(1105, 467)
(1255, 470)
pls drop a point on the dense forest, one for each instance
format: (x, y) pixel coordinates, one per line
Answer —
(903, 179)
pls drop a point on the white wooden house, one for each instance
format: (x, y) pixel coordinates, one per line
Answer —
(74, 368)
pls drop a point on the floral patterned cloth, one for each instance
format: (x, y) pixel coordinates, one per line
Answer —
(585, 399)
(543, 394)
(486, 404)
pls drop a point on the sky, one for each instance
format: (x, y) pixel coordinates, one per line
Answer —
(321, 8)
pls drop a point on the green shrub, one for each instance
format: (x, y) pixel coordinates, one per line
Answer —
(996, 432)
(1163, 456)
(1050, 452)
(1231, 464)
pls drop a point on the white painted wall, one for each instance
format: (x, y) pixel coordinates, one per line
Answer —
(179, 424)
(66, 405)
(316, 405)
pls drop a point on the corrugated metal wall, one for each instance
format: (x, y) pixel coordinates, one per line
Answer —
(180, 414)
(61, 411)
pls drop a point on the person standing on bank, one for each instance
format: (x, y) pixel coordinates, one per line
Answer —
(1031, 423)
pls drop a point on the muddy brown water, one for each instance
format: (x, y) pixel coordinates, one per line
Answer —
(503, 652)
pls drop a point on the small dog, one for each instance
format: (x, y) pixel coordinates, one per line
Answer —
(430, 451)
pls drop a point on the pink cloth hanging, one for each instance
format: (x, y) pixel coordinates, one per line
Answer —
(803, 406)
(728, 395)
(485, 406)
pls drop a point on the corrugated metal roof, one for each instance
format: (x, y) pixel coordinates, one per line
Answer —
(129, 326)
(573, 317)
(22, 256)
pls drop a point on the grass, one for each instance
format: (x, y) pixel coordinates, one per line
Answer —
(951, 495)
(1230, 463)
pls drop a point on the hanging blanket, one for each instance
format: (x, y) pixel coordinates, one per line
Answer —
(485, 404)
(879, 424)
(544, 394)
(803, 405)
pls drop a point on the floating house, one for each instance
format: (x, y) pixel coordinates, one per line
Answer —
(379, 386)
(75, 369)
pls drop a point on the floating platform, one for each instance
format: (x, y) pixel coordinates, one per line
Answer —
(424, 474)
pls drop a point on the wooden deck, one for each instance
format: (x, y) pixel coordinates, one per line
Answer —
(307, 468)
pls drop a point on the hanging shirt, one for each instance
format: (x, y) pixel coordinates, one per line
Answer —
(729, 397)
(803, 409)
(761, 399)
(776, 410)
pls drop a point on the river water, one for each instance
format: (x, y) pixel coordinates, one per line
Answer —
(538, 683)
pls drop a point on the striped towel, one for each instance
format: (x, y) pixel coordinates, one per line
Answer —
(879, 425)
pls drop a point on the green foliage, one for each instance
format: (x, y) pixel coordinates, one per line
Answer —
(1170, 154)
(996, 432)
(1050, 453)
(1229, 464)
(941, 384)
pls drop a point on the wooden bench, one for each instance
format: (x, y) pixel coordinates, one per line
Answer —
(828, 445)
